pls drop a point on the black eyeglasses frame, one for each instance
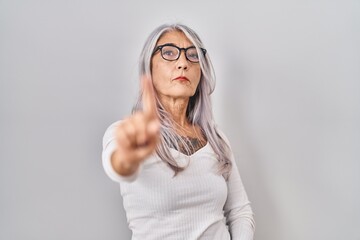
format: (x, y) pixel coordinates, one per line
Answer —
(203, 50)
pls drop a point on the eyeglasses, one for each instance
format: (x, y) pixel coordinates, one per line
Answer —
(171, 52)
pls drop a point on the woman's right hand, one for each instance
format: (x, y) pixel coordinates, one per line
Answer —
(138, 135)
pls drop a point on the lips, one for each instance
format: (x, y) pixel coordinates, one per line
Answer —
(181, 78)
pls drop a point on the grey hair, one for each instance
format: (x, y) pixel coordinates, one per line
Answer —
(199, 111)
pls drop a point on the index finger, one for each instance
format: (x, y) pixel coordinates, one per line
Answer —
(148, 97)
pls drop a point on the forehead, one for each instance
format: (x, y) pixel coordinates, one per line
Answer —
(176, 37)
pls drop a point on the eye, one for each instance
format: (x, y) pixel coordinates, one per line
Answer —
(169, 52)
(192, 54)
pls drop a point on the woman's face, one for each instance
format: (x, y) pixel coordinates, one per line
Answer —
(178, 78)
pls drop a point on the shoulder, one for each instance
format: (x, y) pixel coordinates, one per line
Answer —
(113, 125)
(109, 134)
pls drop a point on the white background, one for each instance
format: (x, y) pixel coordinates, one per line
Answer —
(287, 96)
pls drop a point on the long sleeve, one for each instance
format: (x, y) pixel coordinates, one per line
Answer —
(237, 209)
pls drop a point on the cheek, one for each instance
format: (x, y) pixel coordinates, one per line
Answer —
(159, 71)
(156, 76)
(159, 76)
(197, 75)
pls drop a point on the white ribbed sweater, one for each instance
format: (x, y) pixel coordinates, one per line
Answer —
(196, 204)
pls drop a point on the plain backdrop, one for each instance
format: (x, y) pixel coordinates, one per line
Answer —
(287, 96)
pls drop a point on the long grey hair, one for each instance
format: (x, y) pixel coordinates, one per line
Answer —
(199, 110)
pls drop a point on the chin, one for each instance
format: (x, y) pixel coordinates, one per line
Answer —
(182, 94)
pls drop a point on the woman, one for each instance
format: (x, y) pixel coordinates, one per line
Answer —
(177, 174)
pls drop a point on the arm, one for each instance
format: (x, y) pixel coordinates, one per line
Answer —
(237, 209)
(109, 149)
(128, 143)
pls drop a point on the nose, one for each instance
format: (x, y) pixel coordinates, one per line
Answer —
(182, 62)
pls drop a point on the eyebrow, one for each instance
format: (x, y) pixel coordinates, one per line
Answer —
(173, 44)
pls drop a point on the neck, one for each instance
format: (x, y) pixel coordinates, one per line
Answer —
(177, 109)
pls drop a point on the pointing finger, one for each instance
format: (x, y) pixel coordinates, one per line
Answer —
(148, 97)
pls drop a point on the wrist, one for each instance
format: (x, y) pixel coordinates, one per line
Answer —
(122, 166)
(128, 168)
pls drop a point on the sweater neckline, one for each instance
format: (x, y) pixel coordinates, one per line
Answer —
(193, 154)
